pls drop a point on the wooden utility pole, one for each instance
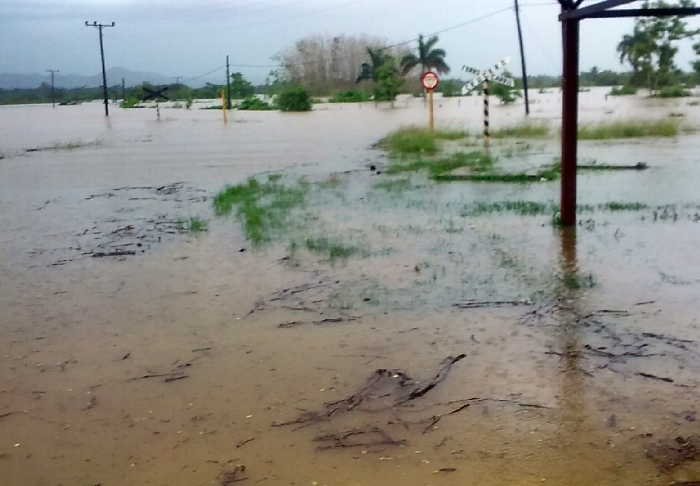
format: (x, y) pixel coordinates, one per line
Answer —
(522, 57)
(569, 127)
(571, 16)
(102, 55)
(53, 91)
(123, 89)
(228, 85)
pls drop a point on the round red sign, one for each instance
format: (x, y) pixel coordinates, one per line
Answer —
(430, 80)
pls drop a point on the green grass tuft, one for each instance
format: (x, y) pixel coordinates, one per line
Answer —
(197, 225)
(629, 129)
(262, 207)
(417, 141)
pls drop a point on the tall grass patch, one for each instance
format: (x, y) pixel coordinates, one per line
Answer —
(629, 129)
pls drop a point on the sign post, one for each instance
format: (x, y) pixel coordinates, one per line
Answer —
(483, 78)
(430, 82)
(156, 94)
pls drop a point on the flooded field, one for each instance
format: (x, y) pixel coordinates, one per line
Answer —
(343, 318)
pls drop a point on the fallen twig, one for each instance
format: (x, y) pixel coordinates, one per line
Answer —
(474, 304)
(244, 442)
(654, 377)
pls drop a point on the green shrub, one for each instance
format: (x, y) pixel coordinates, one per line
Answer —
(130, 102)
(294, 98)
(350, 96)
(254, 103)
(504, 93)
(625, 90)
(672, 92)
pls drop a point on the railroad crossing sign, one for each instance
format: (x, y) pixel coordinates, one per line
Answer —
(430, 81)
(156, 94)
(483, 78)
(487, 75)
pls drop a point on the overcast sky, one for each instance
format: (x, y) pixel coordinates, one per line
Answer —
(190, 37)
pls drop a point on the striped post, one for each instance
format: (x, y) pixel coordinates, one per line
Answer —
(487, 135)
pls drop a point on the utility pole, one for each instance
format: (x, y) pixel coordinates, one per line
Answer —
(228, 86)
(123, 89)
(522, 58)
(102, 55)
(53, 92)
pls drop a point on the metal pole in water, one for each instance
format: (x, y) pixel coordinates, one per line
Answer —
(487, 135)
(53, 91)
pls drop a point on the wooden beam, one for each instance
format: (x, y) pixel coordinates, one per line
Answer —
(643, 12)
(578, 13)
(569, 126)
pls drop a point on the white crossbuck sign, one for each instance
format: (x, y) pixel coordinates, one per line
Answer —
(491, 74)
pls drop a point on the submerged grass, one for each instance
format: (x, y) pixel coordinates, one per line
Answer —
(196, 225)
(393, 185)
(536, 208)
(525, 130)
(548, 173)
(333, 249)
(263, 207)
(629, 129)
(477, 161)
(417, 141)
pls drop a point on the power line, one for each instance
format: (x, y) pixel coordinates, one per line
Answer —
(194, 78)
(452, 27)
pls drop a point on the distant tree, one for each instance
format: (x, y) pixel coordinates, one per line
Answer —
(240, 87)
(651, 48)
(370, 71)
(451, 87)
(389, 80)
(696, 63)
(427, 57)
(326, 64)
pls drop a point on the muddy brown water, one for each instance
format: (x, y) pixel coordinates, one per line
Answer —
(169, 367)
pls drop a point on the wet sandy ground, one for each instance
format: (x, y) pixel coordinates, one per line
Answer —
(169, 367)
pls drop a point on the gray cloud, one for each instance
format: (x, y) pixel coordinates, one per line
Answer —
(189, 37)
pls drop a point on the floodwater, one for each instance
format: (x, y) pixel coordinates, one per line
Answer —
(181, 362)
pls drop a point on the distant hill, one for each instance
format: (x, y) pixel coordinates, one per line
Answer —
(114, 76)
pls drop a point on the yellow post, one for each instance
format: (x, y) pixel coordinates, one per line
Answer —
(223, 106)
(431, 113)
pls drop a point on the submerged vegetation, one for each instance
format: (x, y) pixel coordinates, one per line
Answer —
(629, 129)
(525, 130)
(263, 207)
(417, 141)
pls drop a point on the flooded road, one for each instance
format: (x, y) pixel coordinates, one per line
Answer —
(136, 352)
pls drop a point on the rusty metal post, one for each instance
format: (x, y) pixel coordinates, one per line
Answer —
(569, 127)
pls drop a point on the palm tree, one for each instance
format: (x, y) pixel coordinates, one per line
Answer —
(370, 70)
(428, 58)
